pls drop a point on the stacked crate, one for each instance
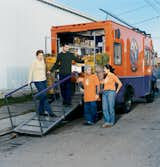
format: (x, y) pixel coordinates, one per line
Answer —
(50, 61)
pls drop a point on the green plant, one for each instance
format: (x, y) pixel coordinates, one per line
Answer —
(102, 59)
(14, 100)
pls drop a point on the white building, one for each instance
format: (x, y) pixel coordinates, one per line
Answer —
(24, 25)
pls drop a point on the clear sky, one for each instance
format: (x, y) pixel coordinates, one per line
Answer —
(144, 14)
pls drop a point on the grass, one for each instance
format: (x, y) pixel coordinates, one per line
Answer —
(13, 100)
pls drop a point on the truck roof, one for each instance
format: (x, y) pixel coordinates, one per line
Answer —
(100, 24)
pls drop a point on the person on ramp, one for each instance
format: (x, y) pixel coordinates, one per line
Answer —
(64, 64)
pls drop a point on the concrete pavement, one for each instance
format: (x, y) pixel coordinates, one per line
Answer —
(132, 142)
(19, 111)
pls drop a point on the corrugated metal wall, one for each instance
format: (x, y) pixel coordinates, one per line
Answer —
(24, 25)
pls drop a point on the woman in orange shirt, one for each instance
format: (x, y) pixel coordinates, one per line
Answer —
(109, 94)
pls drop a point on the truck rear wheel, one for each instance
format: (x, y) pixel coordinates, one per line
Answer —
(128, 105)
(128, 100)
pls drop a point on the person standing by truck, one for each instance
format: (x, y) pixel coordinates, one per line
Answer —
(37, 74)
(91, 95)
(64, 64)
(109, 94)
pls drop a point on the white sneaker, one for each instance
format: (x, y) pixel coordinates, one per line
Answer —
(106, 125)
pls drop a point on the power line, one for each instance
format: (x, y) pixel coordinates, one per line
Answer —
(133, 10)
(146, 20)
(141, 7)
(117, 18)
(124, 22)
(156, 37)
(152, 18)
(157, 2)
(152, 5)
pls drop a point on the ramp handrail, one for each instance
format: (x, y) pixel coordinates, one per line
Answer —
(44, 91)
(53, 86)
(15, 90)
(12, 92)
(35, 98)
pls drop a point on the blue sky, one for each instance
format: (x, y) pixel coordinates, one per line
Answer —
(144, 14)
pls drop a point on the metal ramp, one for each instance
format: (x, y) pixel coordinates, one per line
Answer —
(41, 125)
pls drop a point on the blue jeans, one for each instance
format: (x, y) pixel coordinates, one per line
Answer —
(43, 103)
(90, 111)
(65, 89)
(108, 105)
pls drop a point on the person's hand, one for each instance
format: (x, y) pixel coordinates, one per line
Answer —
(29, 83)
(102, 82)
(101, 91)
(83, 58)
(117, 91)
(80, 79)
(48, 73)
(81, 90)
(86, 61)
(97, 97)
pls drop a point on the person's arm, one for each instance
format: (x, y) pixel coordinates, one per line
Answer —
(56, 65)
(80, 81)
(97, 83)
(97, 92)
(101, 87)
(76, 59)
(119, 84)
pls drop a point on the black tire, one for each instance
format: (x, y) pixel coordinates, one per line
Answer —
(128, 100)
(127, 105)
(150, 97)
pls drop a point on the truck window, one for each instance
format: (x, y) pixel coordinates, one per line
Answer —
(117, 53)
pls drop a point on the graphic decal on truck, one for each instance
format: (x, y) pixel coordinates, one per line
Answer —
(134, 55)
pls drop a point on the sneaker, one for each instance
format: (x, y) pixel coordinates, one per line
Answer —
(52, 115)
(88, 123)
(69, 104)
(106, 125)
(64, 103)
(43, 114)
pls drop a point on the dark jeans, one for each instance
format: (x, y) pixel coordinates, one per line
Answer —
(43, 103)
(90, 111)
(66, 89)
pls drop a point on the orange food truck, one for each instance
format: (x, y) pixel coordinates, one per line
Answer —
(130, 53)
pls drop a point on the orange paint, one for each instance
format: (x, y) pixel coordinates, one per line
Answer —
(127, 38)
